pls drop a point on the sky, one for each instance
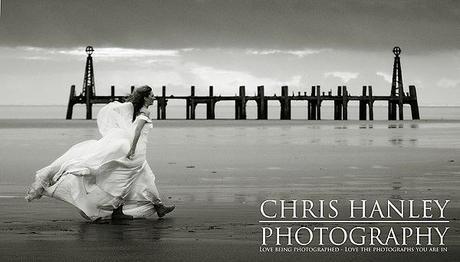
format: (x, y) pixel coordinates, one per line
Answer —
(227, 44)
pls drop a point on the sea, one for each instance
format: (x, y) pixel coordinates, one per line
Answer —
(225, 110)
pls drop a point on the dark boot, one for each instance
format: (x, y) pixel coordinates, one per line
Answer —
(118, 214)
(162, 210)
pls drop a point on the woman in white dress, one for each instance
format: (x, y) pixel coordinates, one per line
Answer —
(109, 177)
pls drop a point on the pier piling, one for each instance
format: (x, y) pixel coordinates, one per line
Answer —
(362, 105)
(240, 104)
(285, 103)
(344, 103)
(210, 105)
(262, 105)
(371, 104)
(312, 105)
(318, 103)
(112, 93)
(71, 102)
(338, 105)
(413, 103)
(190, 104)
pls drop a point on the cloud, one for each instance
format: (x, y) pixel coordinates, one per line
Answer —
(448, 83)
(344, 76)
(103, 53)
(115, 52)
(36, 58)
(299, 53)
(229, 80)
(385, 76)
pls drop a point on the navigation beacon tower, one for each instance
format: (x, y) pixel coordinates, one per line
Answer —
(89, 88)
(398, 98)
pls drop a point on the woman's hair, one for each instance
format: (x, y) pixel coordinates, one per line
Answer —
(137, 98)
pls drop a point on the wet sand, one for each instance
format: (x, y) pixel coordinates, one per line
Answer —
(217, 173)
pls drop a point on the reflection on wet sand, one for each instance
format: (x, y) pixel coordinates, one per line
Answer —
(138, 230)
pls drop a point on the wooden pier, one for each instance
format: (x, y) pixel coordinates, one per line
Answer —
(396, 100)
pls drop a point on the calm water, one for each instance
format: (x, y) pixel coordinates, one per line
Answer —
(224, 110)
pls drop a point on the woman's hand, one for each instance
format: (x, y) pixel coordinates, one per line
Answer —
(130, 154)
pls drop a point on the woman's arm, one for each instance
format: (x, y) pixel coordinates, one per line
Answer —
(137, 134)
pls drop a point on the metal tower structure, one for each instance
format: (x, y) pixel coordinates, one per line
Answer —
(397, 89)
(89, 88)
(88, 94)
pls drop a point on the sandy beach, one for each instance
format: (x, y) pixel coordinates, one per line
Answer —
(218, 173)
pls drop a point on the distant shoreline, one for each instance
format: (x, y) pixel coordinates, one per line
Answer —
(82, 123)
(226, 111)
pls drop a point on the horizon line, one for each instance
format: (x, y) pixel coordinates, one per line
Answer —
(228, 105)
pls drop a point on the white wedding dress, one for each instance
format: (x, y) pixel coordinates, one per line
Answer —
(96, 176)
